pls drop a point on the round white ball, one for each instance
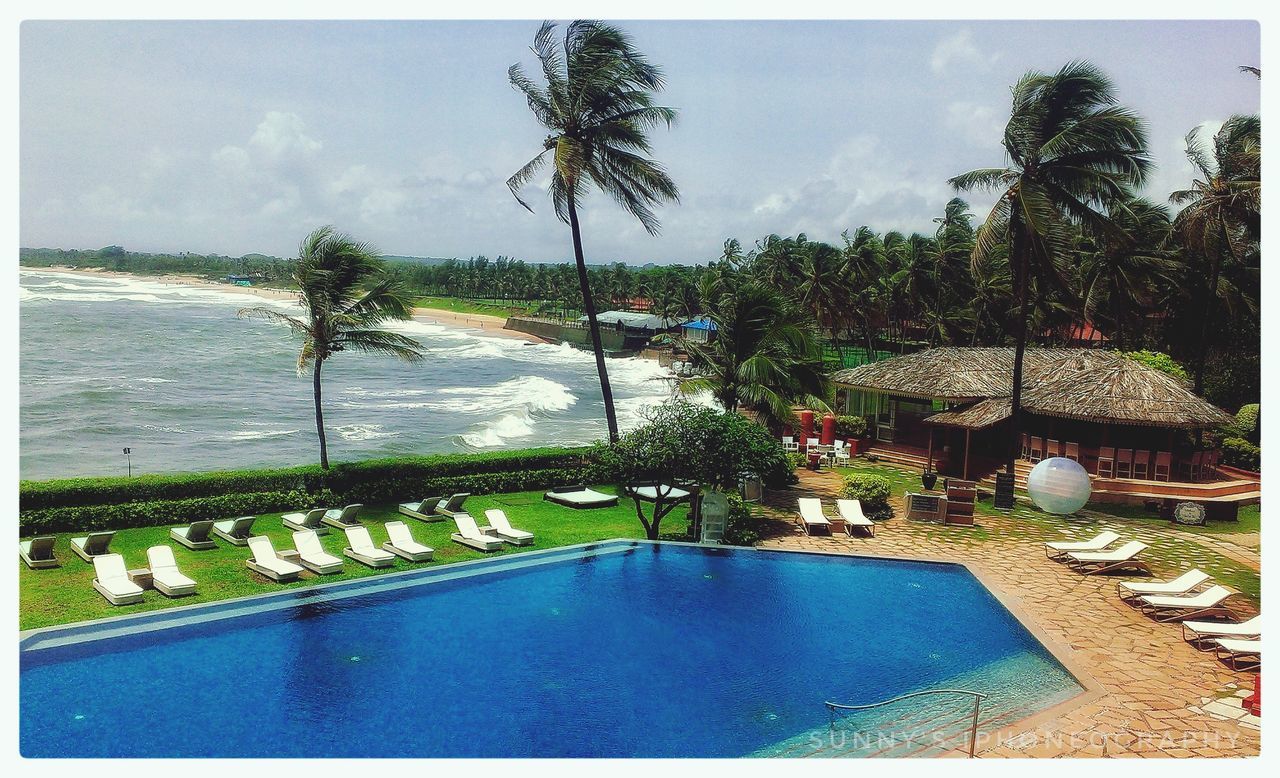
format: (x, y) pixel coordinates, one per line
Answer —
(1059, 485)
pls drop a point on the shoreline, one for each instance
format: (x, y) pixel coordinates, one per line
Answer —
(489, 325)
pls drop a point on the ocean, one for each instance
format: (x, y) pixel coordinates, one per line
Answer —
(172, 373)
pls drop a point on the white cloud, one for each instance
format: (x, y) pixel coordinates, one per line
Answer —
(283, 137)
(959, 49)
(980, 125)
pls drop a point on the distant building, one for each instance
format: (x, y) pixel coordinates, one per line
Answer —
(239, 280)
(699, 330)
(635, 327)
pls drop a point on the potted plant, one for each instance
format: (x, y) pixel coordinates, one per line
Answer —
(929, 479)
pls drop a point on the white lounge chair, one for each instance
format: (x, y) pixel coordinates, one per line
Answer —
(1098, 562)
(195, 535)
(266, 562)
(402, 544)
(312, 554)
(165, 575)
(669, 493)
(1059, 549)
(851, 512)
(111, 580)
(579, 496)
(312, 520)
(1240, 654)
(423, 511)
(346, 517)
(500, 526)
(95, 544)
(1200, 633)
(360, 548)
(1130, 591)
(811, 516)
(1206, 603)
(469, 534)
(452, 505)
(37, 553)
(235, 531)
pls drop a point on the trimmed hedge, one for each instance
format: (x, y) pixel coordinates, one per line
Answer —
(872, 491)
(81, 504)
(1240, 453)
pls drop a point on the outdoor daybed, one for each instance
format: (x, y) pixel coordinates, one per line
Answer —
(579, 496)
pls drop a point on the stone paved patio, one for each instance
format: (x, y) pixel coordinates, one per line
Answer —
(1154, 685)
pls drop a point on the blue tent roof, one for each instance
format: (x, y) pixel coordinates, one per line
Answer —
(701, 323)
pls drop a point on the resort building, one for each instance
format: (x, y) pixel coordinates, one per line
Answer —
(699, 330)
(1132, 427)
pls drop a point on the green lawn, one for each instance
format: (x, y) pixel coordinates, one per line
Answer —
(66, 594)
(458, 305)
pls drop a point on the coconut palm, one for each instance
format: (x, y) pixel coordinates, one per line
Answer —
(1072, 150)
(765, 357)
(1121, 271)
(345, 295)
(1222, 212)
(597, 106)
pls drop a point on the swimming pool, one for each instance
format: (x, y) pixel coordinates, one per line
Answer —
(619, 649)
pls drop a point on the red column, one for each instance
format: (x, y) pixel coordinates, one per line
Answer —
(806, 428)
(828, 430)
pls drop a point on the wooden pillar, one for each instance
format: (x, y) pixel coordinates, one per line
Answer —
(967, 437)
(929, 463)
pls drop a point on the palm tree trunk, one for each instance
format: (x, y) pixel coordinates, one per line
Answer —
(584, 286)
(315, 389)
(1211, 300)
(1018, 257)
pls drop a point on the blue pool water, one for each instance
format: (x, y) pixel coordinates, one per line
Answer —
(624, 650)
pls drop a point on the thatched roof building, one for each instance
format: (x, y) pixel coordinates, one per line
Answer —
(1085, 384)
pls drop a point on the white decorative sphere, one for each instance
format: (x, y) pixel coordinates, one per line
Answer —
(1059, 485)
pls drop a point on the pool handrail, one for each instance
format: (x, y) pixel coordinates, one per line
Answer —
(978, 697)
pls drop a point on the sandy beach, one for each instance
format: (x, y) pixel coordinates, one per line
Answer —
(489, 325)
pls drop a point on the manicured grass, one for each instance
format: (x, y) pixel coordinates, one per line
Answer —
(458, 305)
(66, 594)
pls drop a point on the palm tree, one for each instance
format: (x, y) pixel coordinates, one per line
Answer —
(1121, 271)
(765, 357)
(345, 295)
(1072, 150)
(598, 108)
(1223, 209)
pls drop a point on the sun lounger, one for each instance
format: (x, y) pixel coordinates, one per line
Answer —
(96, 544)
(423, 511)
(235, 531)
(1200, 633)
(811, 516)
(1206, 603)
(1059, 549)
(469, 534)
(37, 553)
(1098, 562)
(312, 520)
(195, 535)
(360, 548)
(579, 496)
(452, 505)
(1130, 591)
(1240, 654)
(311, 554)
(501, 527)
(851, 512)
(165, 575)
(402, 544)
(266, 562)
(111, 580)
(346, 517)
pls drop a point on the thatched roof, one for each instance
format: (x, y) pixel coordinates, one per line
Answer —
(981, 414)
(1088, 384)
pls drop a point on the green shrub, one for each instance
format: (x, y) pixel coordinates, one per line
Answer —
(872, 491)
(1240, 453)
(796, 460)
(851, 426)
(1159, 361)
(1248, 423)
(743, 527)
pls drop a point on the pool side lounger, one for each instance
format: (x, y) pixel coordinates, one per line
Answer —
(469, 534)
(453, 505)
(312, 520)
(343, 518)
(580, 497)
(95, 544)
(37, 553)
(1201, 633)
(313, 556)
(851, 512)
(360, 548)
(1099, 562)
(1189, 581)
(111, 580)
(499, 525)
(423, 511)
(266, 562)
(195, 535)
(1058, 549)
(812, 517)
(1239, 654)
(1210, 602)
(165, 575)
(237, 532)
(403, 545)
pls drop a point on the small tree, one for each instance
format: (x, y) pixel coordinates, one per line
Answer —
(686, 443)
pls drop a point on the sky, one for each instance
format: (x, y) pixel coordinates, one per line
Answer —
(241, 137)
